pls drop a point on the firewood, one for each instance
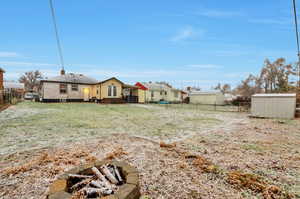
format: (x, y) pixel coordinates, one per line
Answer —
(80, 185)
(117, 173)
(108, 174)
(97, 184)
(91, 192)
(112, 170)
(102, 178)
(79, 176)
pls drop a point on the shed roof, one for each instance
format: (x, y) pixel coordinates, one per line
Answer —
(275, 95)
(72, 78)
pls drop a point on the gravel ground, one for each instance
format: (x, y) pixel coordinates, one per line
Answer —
(226, 142)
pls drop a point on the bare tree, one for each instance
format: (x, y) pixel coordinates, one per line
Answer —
(274, 77)
(31, 80)
(226, 88)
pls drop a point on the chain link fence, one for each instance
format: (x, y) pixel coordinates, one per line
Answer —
(240, 107)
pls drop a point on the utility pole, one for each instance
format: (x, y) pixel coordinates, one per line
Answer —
(297, 37)
(57, 36)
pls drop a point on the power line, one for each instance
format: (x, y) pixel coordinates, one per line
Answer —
(297, 37)
(56, 35)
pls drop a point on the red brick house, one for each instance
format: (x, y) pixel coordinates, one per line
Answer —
(1, 85)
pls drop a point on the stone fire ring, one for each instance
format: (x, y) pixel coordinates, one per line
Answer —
(129, 190)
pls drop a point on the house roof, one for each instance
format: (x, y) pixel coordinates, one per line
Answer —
(275, 95)
(113, 78)
(156, 86)
(1, 70)
(13, 85)
(130, 86)
(141, 86)
(72, 78)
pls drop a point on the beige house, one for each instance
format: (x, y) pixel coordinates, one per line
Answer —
(77, 88)
(207, 98)
(158, 91)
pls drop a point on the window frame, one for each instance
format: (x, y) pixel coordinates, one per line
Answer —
(112, 91)
(63, 88)
(76, 88)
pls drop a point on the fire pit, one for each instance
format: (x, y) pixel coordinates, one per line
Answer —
(102, 179)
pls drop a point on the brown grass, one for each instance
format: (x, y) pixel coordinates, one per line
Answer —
(257, 184)
(165, 145)
(58, 159)
(116, 153)
(203, 164)
(245, 180)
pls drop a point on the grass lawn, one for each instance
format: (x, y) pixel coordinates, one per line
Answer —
(214, 154)
(34, 125)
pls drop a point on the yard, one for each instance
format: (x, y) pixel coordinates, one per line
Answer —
(180, 151)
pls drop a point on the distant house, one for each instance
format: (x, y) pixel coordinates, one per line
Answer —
(160, 91)
(208, 98)
(72, 87)
(1, 86)
(15, 86)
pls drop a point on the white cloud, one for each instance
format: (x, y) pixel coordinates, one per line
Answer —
(204, 66)
(186, 34)
(218, 13)
(9, 54)
(27, 64)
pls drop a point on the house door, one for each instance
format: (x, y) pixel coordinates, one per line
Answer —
(86, 94)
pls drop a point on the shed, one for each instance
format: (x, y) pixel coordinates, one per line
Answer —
(273, 105)
(207, 98)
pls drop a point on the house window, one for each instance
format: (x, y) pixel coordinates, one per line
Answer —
(63, 88)
(152, 93)
(74, 87)
(166, 93)
(161, 92)
(97, 91)
(112, 91)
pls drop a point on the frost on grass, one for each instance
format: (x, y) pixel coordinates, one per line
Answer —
(217, 155)
(28, 126)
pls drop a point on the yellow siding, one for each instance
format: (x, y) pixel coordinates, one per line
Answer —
(104, 89)
(141, 95)
(93, 91)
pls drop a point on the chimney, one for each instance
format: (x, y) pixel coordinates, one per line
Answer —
(62, 72)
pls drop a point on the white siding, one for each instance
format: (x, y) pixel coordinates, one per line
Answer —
(273, 106)
(51, 91)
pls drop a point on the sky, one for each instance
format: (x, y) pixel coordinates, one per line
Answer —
(184, 42)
